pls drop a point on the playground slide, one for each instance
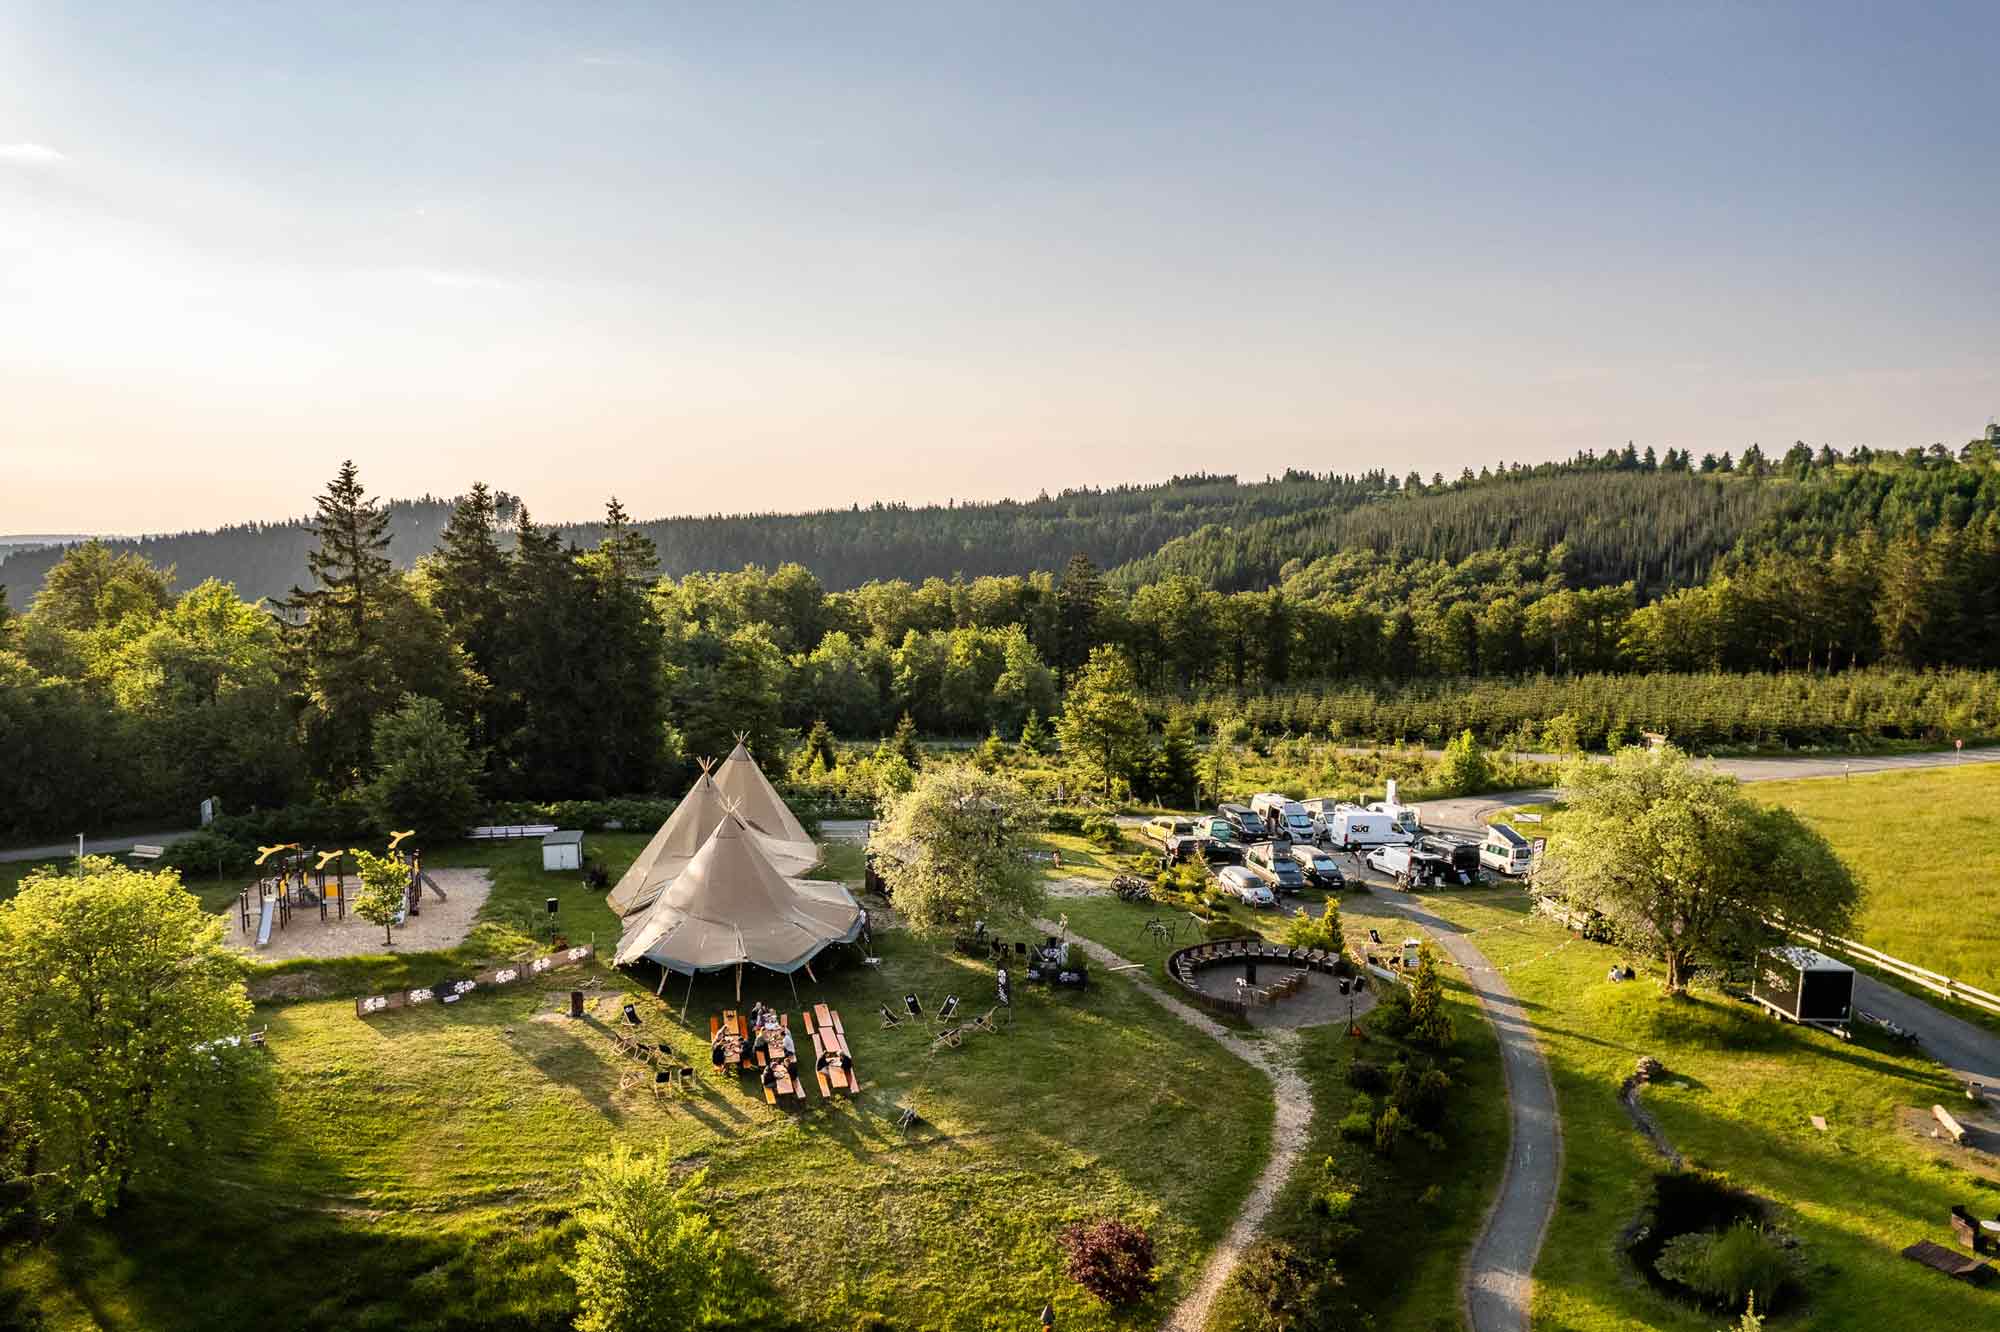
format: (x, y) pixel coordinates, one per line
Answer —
(264, 923)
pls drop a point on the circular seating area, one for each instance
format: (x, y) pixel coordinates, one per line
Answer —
(1290, 968)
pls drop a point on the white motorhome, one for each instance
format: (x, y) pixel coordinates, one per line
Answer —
(1289, 813)
(1350, 826)
(1404, 817)
(1505, 851)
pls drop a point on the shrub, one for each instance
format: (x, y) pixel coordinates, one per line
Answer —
(1392, 1016)
(1422, 1091)
(1066, 821)
(1358, 1124)
(1101, 829)
(425, 772)
(310, 823)
(1731, 1267)
(1388, 1128)
(1109, 1258)
(1366, 1076)
(1308, 931)
(208, 852)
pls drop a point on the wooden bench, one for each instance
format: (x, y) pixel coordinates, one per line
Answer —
(1952, 1128)
(1954, 1265)
(145, 852)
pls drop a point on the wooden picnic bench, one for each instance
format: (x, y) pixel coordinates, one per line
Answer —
(829, 1045)
(146, 852)
(1953, 1264)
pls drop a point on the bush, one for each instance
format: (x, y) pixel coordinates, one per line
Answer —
(208, 852)
(1358, 1125)
(1366, 1076)
(1422, 1091)
(1323, 931)
(1066, 821)
(309, 823)
(1101, 829)
(1730, 1267)
(1109, 1258)
(1392, 1016)
(1388, 1128)
(629, 813)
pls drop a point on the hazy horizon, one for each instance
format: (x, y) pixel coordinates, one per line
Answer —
(792, 259)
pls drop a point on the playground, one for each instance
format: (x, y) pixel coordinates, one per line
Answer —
(438, 924)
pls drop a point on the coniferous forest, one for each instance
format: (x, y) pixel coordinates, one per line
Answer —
(1813, 598)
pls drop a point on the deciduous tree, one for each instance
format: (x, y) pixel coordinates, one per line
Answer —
(960, 839)
(1102, 729)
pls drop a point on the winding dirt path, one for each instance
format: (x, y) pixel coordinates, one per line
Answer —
(1270, 1055)
(1497, 1288)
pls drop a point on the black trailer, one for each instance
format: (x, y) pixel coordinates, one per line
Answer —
(1805, 986)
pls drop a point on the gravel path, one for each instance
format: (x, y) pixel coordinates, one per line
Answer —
(1498, 1285)
(1270, 1054)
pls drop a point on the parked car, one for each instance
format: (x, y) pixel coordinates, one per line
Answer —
(1165, 829)
(1319, 868)
(1273, 864)
(1245, 886)
(1249, 824)
(1393, 861)
(1463, 857)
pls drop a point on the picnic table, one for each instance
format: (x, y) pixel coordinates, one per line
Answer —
(771, 1057)
(727, 1031)
(829, 1041)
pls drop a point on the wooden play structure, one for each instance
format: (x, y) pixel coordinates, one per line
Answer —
(293, 878)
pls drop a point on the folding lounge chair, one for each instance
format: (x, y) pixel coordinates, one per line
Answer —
(889, 1019)
(948, 1039)
(948, 1008)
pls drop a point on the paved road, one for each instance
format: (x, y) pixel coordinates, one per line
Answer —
(1971, 1053)
(1498, 1281)
(94, 846)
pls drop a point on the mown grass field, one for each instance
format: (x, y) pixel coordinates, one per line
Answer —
(413, 1171)
(1740, 1091)
(1926, 845)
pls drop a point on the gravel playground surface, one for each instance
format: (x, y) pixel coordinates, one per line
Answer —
(439, 924)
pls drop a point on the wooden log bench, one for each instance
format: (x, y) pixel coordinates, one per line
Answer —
(1952, 1128)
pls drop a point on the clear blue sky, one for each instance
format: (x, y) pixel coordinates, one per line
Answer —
(779, 256)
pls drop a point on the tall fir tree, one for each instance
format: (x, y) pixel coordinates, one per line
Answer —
(1079, 601)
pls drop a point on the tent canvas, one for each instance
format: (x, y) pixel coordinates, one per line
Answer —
(700, 812)
(730, 906)
(743, 783)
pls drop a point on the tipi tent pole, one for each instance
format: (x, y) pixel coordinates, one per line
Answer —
(690, 995)
(664, 973)
(789, 980)
(809, 974)
(739, 982)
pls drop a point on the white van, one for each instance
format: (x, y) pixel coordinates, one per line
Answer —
(1505, 851)
(1393, 861)
(1350, 826)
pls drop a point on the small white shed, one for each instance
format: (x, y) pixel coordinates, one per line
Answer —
(562, 850)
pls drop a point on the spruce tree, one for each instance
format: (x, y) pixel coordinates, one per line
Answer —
(1079, 598)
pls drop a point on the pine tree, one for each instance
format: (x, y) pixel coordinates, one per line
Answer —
(1103, 728)
(1430, 1023)
(471, 587)
(904, 742)
(818, 746)
(1174, 762)
(1034, 735)
(1079, 600)
(334, 628)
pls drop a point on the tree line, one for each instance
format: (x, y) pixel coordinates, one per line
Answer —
(577, 672)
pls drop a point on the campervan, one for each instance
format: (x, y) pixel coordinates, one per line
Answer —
(1402, 817)
(1505, 851)
(1284, 814)
(1350, 826)
(1393, 861)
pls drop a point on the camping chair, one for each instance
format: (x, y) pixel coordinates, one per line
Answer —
(663, 1079)
(914, 1006)
(948, 1009)
(889, 1018)
(626, 1033)
(908, 1119)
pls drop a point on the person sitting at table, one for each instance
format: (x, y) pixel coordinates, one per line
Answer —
(770, 1074)
(718, 1050)
(791, 1050)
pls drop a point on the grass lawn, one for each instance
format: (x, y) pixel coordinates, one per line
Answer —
(413, 1171)
(1926, 845)
(1739, 1093)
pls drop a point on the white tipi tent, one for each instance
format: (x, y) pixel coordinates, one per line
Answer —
(730, 907)
(744, 785)
(700, 812)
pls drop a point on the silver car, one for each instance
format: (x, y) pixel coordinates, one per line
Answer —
(1241, 883)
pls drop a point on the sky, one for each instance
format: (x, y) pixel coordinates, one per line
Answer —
(773, 257)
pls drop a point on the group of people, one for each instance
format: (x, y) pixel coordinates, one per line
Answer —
(773, 1040)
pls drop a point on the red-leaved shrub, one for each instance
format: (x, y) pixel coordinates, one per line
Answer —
(1110, 1259)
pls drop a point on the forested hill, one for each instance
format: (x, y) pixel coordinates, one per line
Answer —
(1659, 524)
(844, 547)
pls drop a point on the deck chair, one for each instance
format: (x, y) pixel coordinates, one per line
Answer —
(889, 1018)
(908, 1119)
(663, 1080)
(948, 1008)
(984, 1022)
(634, 1075)
(913, 1006)
(948, 1039)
